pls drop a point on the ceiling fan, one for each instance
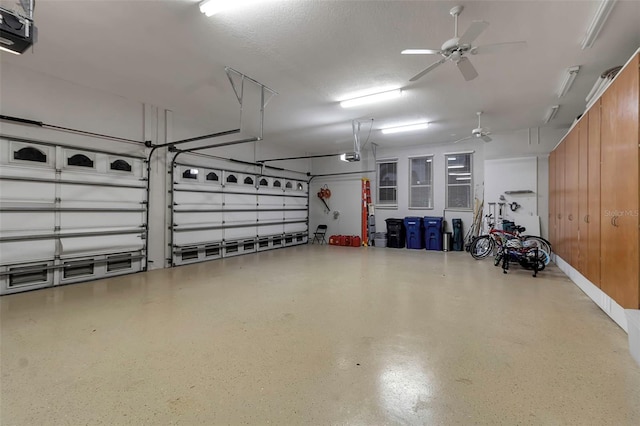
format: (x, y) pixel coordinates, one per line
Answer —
(478, 133)
(456, 48)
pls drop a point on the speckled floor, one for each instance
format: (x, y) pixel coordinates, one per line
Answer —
(317, 335)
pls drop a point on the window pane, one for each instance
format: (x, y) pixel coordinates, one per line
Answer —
(459, 180)
(421, 171)
(421, 196)
(388, 174)
(387, 196)
(459, 197)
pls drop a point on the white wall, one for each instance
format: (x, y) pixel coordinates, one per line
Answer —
(535, 143)
(36, 96)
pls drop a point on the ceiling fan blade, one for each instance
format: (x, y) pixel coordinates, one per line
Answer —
(429, 68)
(467, 69)
(486, 138)
(475, 29)
(421, 52)
(463, 139)
(509, 46)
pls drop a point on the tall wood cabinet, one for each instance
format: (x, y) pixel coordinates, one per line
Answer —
(595, 193)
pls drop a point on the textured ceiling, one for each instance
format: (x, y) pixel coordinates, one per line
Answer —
(316, 52)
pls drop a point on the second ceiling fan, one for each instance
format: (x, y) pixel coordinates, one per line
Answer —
(456, 48)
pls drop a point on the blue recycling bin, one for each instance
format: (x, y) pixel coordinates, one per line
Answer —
(413, 227)
(433, 232)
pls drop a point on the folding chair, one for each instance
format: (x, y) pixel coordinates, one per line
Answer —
(318, 236)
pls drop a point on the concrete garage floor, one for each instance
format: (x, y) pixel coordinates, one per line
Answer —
(317, 335)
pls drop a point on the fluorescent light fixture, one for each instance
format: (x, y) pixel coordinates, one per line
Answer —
(193, 171)
(464, 178)
(376, 97)
(599, 19)
(4, 49)
(429, 160)
(211, 7)
(407, 128)
(418, 52)
(460, 174)
(567, 81)
(451, 158)
(551, 114)
(456, 167)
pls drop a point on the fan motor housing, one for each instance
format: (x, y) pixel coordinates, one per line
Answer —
(477, 132)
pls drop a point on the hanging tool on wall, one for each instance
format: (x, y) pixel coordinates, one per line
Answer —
(514, 206)
(324, 194)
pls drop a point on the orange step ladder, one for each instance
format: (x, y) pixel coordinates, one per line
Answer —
(366, 206)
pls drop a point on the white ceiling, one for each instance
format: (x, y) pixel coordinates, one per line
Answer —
(314, 53)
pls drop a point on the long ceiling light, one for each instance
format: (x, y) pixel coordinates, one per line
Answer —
(567, 81)
(369, 99)
(551, 114)
(408, 128)
(604, 9)
(211, 7)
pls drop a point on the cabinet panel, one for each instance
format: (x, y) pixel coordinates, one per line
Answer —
(594, 212)
(560, 199)
(619, 189)
(572, 154)
(583, 196)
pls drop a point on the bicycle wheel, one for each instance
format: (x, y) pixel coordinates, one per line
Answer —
(481, 247)
(542, 243)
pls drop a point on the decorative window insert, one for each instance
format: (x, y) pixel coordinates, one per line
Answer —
(80, 160)
(264, 182)
(121, 166)
(190, 174)
(277, 184)
(30, 153)
(212, 177)
(232, 179)
(248, 180)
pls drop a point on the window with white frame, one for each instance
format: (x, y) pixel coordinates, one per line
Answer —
(388, 183)
(421, 182)
(459, 172)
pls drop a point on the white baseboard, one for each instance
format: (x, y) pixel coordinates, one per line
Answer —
(607, 304)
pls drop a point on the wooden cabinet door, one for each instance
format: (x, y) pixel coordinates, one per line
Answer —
(560, 199)
(552, 199)
(572, 157)
(594, 213)
(583, 196)
(619, 189)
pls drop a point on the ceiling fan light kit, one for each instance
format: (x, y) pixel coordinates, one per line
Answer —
(406, 128)
(567, 81)
(551, 113)
(599, 19)
(369, 99)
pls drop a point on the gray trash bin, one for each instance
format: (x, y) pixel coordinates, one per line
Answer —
(446, 241)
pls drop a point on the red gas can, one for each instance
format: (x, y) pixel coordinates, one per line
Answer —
(341, 240)
(333, 240)
(356, 241)
(347, 240)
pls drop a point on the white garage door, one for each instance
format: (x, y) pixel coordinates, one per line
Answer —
(220, 213)
(68, 215)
